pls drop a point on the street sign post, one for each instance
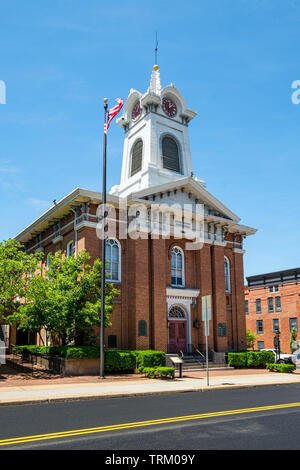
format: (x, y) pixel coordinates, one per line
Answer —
(206, 317)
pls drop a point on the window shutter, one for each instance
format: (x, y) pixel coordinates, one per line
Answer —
(170, 154)
(136, 158)
(142, 329)
(222, 329)
(112, 341)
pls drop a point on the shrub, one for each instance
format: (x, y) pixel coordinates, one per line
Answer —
(159, 372)
(115, 361)
(31, 349)
(150, 359)
(260, 358)
(70, 352)
(119, 361)
(80, 352)
(281, 367)
(251, 359)
(237, 359)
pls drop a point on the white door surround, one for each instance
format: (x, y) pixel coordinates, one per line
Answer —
(183, 298)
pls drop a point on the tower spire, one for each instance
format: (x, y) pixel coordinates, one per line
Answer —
(155, 85)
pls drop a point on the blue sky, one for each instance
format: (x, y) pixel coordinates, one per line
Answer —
(233, 60)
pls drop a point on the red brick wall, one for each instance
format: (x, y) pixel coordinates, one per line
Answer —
(290, 308)
(146, 273)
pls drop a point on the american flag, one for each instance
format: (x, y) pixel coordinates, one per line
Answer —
(109, 115)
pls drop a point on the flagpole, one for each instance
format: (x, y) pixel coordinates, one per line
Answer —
(103, 257)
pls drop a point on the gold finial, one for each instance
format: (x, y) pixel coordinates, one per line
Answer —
(155, 68)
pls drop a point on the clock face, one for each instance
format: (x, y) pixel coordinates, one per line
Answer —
(136, 112)
(169, 107)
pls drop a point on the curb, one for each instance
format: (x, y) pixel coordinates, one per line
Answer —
(41, 401)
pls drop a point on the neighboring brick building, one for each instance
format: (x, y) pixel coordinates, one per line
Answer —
(161, 281)
(272, 304)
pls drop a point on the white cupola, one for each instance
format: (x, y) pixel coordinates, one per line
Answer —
(156, 144)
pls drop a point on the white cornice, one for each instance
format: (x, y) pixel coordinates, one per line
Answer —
(182, 293)
(62, 208)
(239, 251)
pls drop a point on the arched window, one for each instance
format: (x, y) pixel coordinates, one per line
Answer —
(142, 328)
(170, 154)
(136, 157)
(227, 275)
(70, 249)
(177, 267)
(176, 312)
(113, 258)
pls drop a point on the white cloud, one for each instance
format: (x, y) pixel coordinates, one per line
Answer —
(39, 205)
(9, 175)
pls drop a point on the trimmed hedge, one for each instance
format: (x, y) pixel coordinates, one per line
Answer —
(251, 359)
(32, 349)
(260, 358)
(68, 352)
(237, 359)
(119, 361)
(159, 372)
(289, 368)
(150, 359)
(115, 361)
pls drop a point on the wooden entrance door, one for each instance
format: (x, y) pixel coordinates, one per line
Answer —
(177, 336)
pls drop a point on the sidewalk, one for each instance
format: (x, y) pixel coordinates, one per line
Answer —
(92, 388)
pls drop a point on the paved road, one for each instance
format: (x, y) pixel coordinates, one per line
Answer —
(221, 419)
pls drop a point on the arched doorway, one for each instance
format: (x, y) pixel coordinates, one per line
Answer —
(177, 321)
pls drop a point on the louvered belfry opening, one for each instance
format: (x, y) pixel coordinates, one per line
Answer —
(170, 154)
(136, 158)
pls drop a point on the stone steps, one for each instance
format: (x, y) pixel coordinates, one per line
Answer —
(192, 363)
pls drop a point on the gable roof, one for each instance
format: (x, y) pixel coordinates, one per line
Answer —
(190, 184)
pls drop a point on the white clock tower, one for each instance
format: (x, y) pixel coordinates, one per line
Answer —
(156, 144)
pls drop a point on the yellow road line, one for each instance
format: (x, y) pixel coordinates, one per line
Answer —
(116, 427)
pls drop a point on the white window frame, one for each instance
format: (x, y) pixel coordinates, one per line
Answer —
(48, 261)
(227, 275)
(68, 248)
(177, 269)
(119, 261)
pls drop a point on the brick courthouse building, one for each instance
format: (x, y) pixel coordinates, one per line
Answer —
(161, 282)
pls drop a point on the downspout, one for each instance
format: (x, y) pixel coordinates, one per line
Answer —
(76, 235)
(214, 314)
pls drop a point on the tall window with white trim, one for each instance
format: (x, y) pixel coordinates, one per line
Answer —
(48, 262)
(113, 258)
(227, 275)
(137, 157)
(70, 249)
(177, 267)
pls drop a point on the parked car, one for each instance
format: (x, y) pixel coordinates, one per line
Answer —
(284, 358)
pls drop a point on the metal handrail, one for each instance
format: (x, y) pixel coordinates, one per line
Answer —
(200, 353)
(202, 357)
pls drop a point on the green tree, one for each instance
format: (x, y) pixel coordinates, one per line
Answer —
(251, 338)
(293, 340)
(67, 302)
(16, 267)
